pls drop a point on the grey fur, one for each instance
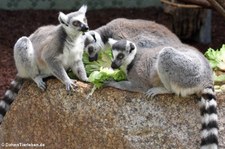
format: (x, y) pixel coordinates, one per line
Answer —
(53, 50)
(50, 51)
(175, 68)
(120, 45)
(143, 33)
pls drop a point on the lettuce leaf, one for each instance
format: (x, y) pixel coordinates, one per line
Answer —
(216, 58)
(106, 74)
(100, 70)
(104, 60)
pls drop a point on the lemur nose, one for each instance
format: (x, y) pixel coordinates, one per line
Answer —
(90, 50)
(114, 65)
(84, 28)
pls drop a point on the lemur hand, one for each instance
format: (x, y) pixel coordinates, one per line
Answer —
(71, 86)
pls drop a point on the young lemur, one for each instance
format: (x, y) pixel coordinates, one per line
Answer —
(50, 51)
(180, 69)
(142, 32)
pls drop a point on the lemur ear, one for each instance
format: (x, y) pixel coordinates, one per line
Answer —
(112, 41)
(93, 35)
(90, 35)
(63, 18)
(83, 9)
(132, 47)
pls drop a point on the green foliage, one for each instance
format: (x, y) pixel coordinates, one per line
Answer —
(100, 70)
(104, 60)
(217, 61)
(105, 74)
(216, 58)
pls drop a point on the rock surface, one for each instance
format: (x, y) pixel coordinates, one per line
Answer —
(109, 119)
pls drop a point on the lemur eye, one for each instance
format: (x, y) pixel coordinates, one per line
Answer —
(120, 56)
(76, 23)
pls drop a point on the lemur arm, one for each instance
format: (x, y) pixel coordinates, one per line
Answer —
(58, 71)
(124, 85)
(79, 70)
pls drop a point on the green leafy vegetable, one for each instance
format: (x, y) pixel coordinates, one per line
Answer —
(100, 70)
(105, 74)
(217, 61)
(219, 78)
(216, 58)
(104, 60)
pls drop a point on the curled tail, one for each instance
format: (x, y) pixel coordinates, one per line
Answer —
(209, 131)
(9, 96)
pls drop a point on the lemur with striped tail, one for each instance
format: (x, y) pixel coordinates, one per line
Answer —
(50, 51)
(143, 33)
(178, 69)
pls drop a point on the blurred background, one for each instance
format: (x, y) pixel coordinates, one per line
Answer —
(75, 4)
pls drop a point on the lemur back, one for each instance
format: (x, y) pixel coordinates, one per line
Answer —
(49, 51)
(142, 32)
(123, 28)
(176, 68)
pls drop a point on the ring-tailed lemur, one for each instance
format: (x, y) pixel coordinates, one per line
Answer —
(142, 32)
(50, 51)
(180, 69)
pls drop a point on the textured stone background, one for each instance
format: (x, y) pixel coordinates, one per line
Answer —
(109, 119)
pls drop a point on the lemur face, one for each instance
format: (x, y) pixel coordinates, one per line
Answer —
(92, 45)
(123, 52)
(74, 22)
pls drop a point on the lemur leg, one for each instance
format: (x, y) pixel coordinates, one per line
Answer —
(79, 70)
(152, 92)
(40, 83)
(59, 72)
(179, 72)
(124, 85)
(25, 61)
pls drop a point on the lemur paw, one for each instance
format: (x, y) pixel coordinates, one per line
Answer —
(41, 85)
(152, 92)
(71, 86)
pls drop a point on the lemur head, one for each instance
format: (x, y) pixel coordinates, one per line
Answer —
(74, 22)
(123, 52)
(93, 44)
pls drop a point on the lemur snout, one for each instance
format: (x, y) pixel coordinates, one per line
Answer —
(84, 28)
(90, 50)
(94, 58)
(114, 65)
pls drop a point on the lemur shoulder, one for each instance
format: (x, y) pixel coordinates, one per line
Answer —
(49, 51)
(176, 68)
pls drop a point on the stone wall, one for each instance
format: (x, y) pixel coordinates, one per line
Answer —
(109, 119)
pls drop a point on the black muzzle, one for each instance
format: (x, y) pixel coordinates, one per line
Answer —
(114, 65)
(84, 28)
(94, 58)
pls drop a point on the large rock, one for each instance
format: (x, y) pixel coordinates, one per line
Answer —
(110, 118)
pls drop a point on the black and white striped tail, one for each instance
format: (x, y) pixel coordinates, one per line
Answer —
(9, 96)
(209, 131)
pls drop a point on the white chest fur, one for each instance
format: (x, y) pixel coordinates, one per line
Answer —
(72, 52)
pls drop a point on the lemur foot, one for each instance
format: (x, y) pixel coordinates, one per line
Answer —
(40, 83)
(71, 86)
(152, 92)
